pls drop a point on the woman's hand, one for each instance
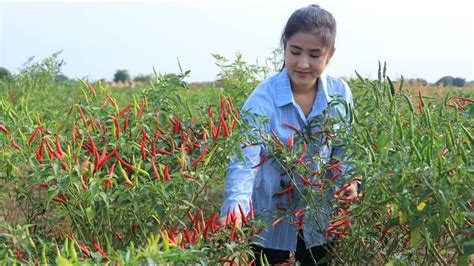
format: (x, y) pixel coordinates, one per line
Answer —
(238, 220)
(346, 195)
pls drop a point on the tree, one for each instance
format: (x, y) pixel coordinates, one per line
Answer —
(121, 75)
(61, 78)
(459, 82)
(4, 73)
(451, 81)
(418, 81)
(142, 78)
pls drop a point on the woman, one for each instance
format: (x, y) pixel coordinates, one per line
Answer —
(299, 92)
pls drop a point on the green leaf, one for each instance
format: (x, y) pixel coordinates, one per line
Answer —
(415, 237)
(381, 142)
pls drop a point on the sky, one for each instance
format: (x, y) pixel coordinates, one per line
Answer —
(425, 39)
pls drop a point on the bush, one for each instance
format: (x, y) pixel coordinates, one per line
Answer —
(145, 79)
(121, 75)
(4, 73)
(451, 81)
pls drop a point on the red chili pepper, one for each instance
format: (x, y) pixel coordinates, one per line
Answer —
(92, 123)
(123, 162)
(252, 262)
(176, 124)
(226, 128)
(91, 89)
(298, 212)
(84, 120)
(214, 226)
(300, 159)
(4, 129)
(64, 197)
(50, 149)
(333, 165)
(102, 106)
(224, 260)
(286, 190)
(342, 188)
(232, 231)
(93, 147)
(145, 135)
(125, 122)
(209, 111)
(59, 200)
(278, 142)
(33, 135)
(84, 249)
(187, 235)
(112, 100)
(333, 176)
(189, 176)
(460, 105)
(39, 157)
(142, 106)
(204, 232)
(277, 221)
(326, 122)
(125, 109)
(14, 144)
(118, 236)
(134, 229)
(155, 170)
(231, 104)
(128, 183)
(242, 214)
(250, 214)
(97, 247)
(164, 152)
(142, 146)
(464, 99)
(153, 148)
(384, 233)
(292, 127)
(198, 159)
(107, 157)
(111, 170)
(216, 131)
(420, 106)
(194, 237)
(83, 184)
(452, 105)
(58, 145)
(300, 222)
(117, 126)
(305, 181)
(166, 173)
(108, 183)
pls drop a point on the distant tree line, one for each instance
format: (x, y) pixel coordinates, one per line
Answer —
(451, 82)
(123, 76)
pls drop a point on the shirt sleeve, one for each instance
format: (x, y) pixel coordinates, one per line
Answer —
(240, 175)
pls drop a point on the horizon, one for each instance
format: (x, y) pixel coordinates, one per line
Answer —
(99, 38)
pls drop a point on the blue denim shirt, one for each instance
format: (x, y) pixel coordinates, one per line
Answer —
(273, 99)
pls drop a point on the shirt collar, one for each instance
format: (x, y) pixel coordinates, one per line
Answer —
(284, 95)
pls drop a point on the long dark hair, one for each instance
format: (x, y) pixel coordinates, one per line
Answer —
(314, 20)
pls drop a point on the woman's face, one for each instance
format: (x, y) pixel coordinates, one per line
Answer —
(306, 58)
